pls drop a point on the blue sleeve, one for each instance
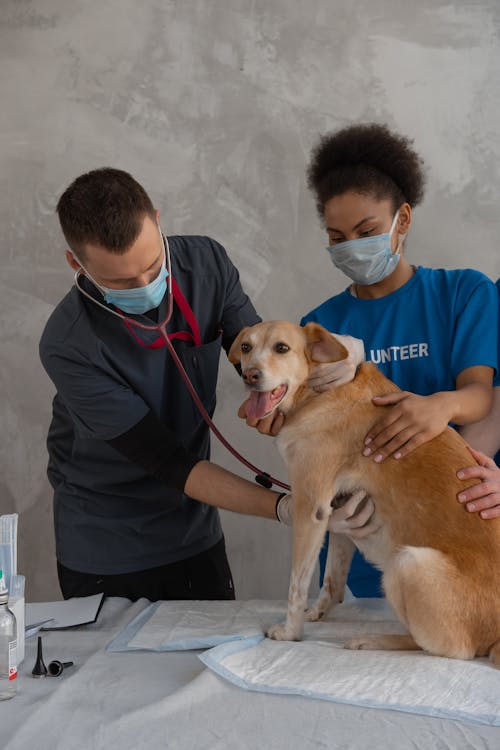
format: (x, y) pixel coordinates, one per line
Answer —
(475, 339)
(308, 318)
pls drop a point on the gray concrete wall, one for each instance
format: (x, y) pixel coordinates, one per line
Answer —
(214, 106)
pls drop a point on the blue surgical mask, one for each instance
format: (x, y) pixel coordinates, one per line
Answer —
(139, 299)
(366, 260)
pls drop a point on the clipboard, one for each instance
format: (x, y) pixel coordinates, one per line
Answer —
(69, 613)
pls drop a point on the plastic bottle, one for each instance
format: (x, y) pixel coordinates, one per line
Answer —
(8, 646)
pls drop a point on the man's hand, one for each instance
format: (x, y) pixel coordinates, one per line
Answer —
(345, 520)
(484, 497)
(270, 425)
(412, 421)
(332, 374)
(357, 524)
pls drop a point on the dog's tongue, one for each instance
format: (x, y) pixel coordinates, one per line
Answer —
(261, 403)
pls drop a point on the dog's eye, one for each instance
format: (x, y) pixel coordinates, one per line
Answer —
(245, 347)
(281, 348)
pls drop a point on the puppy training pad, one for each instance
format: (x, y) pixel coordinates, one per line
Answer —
(319, 667)
(184, 625)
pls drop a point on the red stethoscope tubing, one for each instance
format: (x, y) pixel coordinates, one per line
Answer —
(262, 477)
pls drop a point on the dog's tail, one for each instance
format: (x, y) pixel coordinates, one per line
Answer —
(494, 654)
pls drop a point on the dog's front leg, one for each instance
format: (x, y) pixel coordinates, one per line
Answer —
(340, 551)
(310, 522)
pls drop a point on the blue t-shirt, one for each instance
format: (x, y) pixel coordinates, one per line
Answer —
(421, 337)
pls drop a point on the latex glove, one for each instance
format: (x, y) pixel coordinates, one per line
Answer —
(356, 524)
(284, 509)
(485, 496)
(344, 520)
(332, 374)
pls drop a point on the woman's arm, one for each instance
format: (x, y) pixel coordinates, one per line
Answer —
(414, 420)
(485, 434)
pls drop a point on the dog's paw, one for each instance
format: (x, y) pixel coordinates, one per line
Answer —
(315, 613)
(282, 632)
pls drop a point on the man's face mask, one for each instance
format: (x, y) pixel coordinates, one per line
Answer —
(366, 260)
(137, 300)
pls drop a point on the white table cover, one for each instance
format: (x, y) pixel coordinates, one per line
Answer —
(148, 700)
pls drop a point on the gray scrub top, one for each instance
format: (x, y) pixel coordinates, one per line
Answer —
(110, 515)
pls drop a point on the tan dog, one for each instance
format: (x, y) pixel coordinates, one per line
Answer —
(441, 564)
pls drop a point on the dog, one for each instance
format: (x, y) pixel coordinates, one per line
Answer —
(440, 564)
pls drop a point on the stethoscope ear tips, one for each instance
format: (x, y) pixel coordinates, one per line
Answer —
(57, 667)
(39, 670)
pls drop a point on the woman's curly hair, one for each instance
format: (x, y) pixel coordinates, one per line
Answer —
(368, 159)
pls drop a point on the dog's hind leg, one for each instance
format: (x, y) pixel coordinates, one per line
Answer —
(427, 593)
(309, 527)
(338, 560)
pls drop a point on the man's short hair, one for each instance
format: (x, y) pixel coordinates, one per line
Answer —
(105, 207)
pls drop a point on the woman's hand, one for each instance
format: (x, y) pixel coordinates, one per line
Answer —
(414, 420)
(482, 498)
(411, 421)
(332, 374)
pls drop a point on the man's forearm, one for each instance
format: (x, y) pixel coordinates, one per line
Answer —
(216, 486)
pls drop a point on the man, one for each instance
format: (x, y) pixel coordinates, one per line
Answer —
(135, 495)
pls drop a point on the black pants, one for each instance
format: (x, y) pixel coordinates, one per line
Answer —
(204, 576)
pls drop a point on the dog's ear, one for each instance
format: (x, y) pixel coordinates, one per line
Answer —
(322, 345)
(234, 354)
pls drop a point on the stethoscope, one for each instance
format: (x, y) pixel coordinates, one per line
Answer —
(262, 477)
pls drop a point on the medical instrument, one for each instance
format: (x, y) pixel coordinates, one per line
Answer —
(8, 645)
(56, 667)
(13, 582)
(8, 547)
(39, 670)
(17, 607)
(262, 477)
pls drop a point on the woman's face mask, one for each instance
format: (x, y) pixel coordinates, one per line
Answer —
(366, 260)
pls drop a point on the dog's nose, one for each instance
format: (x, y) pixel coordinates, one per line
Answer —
(252, 376)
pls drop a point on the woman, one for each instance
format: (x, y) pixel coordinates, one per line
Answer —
(485, 435)
(432, 331)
